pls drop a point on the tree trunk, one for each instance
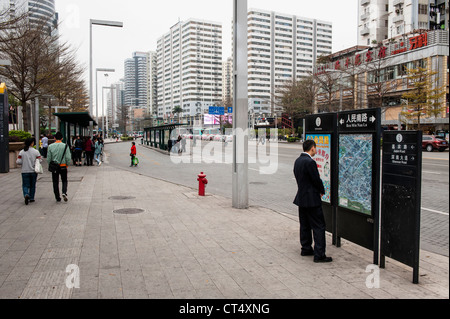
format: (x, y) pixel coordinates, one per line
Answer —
(25, 117)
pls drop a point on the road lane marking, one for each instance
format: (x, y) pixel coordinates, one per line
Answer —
(435, 211)
(435, 173)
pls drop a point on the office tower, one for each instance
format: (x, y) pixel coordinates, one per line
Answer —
(189, 68)
(140, 81)
(39, 10)
(281, 47)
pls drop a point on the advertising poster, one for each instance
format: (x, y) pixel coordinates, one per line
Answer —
(355, 172)
(323, 160)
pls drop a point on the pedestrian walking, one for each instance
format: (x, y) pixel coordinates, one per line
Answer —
(44, 142)
(309, 201)
(89, 151)
(27, 159)
(59, 154)
(98, 151)
(133, 154)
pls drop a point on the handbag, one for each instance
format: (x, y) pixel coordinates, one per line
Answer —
(38, 167)
(54, 166)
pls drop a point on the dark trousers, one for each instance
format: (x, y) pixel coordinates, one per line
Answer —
(312, 225)
(29, 184)
(89, 157)
(132, 160)
(55, 178)
(44, 152)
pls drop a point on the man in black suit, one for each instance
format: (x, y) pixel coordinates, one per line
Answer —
(309, 201)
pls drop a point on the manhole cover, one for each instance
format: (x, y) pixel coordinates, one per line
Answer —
(121, 197)
(129, 211)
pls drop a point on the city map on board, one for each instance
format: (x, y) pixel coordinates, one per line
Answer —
(355, 172)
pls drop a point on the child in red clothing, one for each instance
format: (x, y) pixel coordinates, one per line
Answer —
(133, 154)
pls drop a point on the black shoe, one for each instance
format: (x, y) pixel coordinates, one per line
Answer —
(65, 197)
(323, 259)
(307, 253)
(32, 200)
(58, 200)
(27, 199)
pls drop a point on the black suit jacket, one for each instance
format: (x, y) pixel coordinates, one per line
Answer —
(310, 186)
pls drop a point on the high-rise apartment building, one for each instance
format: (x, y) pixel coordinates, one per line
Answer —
(38, 10)
(227, 80)
(385, 19)
(281, 47)
(189, 68)
(140, 81)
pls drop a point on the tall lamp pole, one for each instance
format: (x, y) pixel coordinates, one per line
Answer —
(105, 24)
(240, 111)
(96, 88)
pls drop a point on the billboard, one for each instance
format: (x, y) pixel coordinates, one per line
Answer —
(323, 160)
(355, 172)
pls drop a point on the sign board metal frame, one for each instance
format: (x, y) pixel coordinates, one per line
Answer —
(326, 124)
(358, 227)
(401, 205)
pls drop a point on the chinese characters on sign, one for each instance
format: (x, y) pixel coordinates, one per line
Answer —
(382, 52)
(323, 160)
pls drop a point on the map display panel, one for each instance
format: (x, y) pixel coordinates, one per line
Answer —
(355, 172)
(323, 160)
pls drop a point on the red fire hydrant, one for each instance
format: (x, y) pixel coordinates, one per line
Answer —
(202, 182)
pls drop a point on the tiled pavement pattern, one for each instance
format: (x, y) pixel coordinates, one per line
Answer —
(181, 246)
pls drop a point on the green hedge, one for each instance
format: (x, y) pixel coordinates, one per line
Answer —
(293, 139)
(20, 135)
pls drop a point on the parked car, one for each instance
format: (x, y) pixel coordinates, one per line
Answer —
(431, 143)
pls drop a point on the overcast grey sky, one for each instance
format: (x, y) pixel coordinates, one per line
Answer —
(145, 21)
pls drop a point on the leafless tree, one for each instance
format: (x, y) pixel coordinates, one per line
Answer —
(40, 64)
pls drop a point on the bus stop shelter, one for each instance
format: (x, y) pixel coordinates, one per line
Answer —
(74, 124)
(159, 136)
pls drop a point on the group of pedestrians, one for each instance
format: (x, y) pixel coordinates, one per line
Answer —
(58, 155)
(87, 148)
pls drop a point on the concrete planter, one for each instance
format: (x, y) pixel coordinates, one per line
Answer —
(14, 150)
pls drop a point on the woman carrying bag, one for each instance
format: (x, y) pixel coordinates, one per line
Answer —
(30, 160)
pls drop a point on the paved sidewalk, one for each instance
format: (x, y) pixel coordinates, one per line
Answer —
(181, 246)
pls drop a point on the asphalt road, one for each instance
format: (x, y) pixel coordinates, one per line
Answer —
(272, 183)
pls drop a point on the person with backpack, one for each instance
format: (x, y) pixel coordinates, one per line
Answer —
(59, 158)
(78, 150)
(27, 159)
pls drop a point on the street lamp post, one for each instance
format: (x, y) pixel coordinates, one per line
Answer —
(105, 24)
(105, 131)
(96, 90)
(240, 111)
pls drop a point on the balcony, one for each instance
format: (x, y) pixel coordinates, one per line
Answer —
(365, 31)
(398, 2)
(365, 2)
(365, 16)
(399, 18)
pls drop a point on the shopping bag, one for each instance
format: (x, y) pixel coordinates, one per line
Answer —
(38, 167)
(136, 161)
